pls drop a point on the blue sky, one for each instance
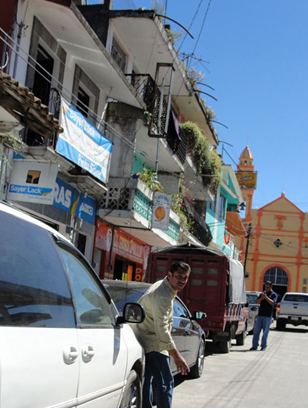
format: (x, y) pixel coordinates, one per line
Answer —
(258, 64)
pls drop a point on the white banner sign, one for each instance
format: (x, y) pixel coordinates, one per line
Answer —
(161, 211)
(32, 182)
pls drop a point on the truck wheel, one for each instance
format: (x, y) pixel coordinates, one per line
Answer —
(132, 393)
(240, 339)
(197, 369)
(225, 346)
(281, 324)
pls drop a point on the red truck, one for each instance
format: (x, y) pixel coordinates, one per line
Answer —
(216, 287)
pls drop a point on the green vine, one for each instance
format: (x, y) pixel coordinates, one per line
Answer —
(207, 162)
(178, 206)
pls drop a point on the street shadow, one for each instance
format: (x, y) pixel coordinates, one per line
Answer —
(179, 379)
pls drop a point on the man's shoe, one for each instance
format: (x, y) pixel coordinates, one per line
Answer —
(252, 348)
(263, 348)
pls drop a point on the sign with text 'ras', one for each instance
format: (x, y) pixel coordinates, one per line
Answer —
(84, 144)
(32, 182)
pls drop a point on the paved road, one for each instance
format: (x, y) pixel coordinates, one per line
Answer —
(275, 378)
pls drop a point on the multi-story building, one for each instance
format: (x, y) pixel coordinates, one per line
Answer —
(112, 78)
(223, 214)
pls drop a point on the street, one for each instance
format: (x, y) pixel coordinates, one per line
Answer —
(275, 378)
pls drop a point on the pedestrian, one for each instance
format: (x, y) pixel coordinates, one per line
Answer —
(154, 334)
(267, 300)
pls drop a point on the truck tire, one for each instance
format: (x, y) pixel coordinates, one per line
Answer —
(132, 393)
(197, 369)
(225, 346)
(281, 324)
(240, 339)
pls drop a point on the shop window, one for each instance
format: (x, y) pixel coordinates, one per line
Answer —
(123, 270)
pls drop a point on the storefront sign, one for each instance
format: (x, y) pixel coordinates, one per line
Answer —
(84, 144)
(161, 211)
(74, 202)
(124, 245)
(247, 180)
(32, 182)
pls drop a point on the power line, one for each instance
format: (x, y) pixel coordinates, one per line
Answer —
(201, 29)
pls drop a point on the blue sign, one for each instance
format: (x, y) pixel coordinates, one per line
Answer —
(74, 202)
(84, 144)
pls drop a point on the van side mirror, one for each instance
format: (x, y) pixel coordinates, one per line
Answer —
(132, 313)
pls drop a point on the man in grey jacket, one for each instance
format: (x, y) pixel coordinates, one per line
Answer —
(154, 334)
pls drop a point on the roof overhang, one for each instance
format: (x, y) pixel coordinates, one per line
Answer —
(74, 34)
(146, 38)
(18, 106)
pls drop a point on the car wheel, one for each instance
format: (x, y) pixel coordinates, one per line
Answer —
(281, 324)
(132, 393)
(197, 370)
(225, 346)
(240, 339)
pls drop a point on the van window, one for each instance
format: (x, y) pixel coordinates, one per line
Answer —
(34, 291)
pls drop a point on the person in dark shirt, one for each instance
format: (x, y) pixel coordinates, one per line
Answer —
(267, 300)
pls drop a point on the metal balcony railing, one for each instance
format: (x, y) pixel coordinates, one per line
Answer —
(199, 229)
(144, 85)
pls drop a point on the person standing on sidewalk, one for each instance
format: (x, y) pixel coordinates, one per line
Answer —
(267, 300)
(154, 334)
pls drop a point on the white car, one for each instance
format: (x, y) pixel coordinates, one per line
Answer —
(62, 340)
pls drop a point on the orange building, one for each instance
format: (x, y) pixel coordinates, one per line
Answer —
(278, 243)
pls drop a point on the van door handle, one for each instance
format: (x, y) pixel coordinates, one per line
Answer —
(87, 353)
(70, 354)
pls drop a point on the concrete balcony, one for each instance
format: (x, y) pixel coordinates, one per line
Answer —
(128, 205)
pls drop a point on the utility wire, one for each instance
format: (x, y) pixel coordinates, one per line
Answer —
(201, 29)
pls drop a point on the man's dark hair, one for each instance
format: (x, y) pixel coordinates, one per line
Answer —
(268, 282)
(182, 265)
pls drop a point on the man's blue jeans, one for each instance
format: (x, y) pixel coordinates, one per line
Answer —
(157, 367)
(262, 323)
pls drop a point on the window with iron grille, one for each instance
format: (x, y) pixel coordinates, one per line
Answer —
(118, 54)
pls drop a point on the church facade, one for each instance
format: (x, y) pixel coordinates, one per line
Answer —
(276, 246)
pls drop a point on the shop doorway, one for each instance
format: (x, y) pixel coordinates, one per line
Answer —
(124, 269)
(81, 243)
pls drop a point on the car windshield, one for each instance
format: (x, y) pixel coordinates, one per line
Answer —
(122, 295)
(252, 298)
(296, 298)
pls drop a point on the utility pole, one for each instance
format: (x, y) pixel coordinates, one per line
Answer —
(247, 245)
